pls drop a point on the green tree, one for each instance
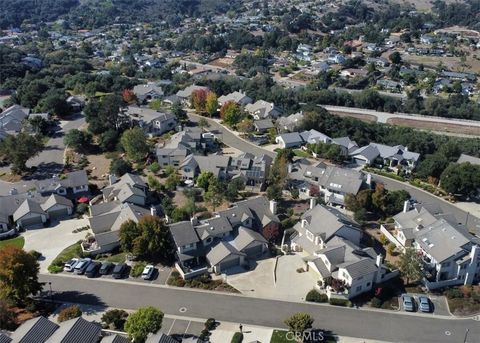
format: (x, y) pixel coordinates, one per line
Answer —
(203, 123)
(233, 187)
(38, 125)
(154, 242)
(7, 316)
(119, 167)
(172, 181)
(215, 194)
(18, 274)
(178, 111)
(19, 149)
(461, 178)
(78, 140)
(135, 144)
(211, 104)
(142, 322)
(108, 140)
(299, 322)
(274, 192)
(395, 57)
(104, 114)
(204, 179)
(231, 113)
(410, 265)
(129, 231)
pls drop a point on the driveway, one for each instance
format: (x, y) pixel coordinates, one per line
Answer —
(50, 241)
(290, 285)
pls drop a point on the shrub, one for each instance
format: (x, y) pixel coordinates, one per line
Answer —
(204, 334)
(317, 297)
(55, 269)
(237, 337)
(453, 293)
(137, 269)
(35, 254)
(68, 313)
(376, 302)
(115, 319)
(154, 167)
(210, 324)
(391, 249)
(384, 240)
(340, 302)
(81, 209)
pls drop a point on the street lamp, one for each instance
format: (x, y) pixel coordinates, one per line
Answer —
(51, 293)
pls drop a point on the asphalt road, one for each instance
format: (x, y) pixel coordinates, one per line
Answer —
(471, 222)
(231, 139)
(50, 160)
(380, 325)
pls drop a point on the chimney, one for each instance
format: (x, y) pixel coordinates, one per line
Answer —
(194, 220)
(406, 206)
(379, 260)
(273, 206)
(289, 168)
(313, 202)
(153, 211)
(369, 179)
(112, 179)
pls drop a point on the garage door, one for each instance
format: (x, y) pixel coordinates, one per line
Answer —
(231, 263)
(31, 221)
(360, 162)
(254, 251)
(63, 212)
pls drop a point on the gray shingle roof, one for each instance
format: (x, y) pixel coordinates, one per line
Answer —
(36, 330)
(160, 337)
(183, 233)
(359, 268)
(27, 206)
(246, 237)
(55, 199)
(115, 339)
(220, 252)
(467, 158)
(76, 330)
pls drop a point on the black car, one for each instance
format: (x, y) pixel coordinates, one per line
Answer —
(119, 271)
(92, 269)
(106, 268)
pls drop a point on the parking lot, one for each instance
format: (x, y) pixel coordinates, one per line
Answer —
(182, 328)
(438, 304)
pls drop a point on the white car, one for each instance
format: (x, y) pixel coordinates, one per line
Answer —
(148, 271)
(70, 265)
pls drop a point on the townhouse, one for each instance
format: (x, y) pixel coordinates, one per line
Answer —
(229, 239)
(449, 254)
(330, 244)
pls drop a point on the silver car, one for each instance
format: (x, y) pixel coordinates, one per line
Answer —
(408, 303)
(424, 304)
(70, 265)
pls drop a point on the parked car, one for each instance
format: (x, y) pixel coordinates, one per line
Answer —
(92, 269)
(148, 272)
(408, 303)
(82, 265)
(424, 304)
(70, 265)
(106, 268)
(119, 271)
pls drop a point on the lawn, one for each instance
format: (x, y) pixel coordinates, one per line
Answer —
(301, 153)
(18, 241)
(74, 250)
(280, 336)
(117, 258)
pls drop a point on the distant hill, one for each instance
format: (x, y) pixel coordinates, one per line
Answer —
(96, 13)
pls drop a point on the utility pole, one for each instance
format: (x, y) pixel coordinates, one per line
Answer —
(466, 334)
(51, 293)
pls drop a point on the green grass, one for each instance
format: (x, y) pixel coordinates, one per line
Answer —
(74, 250)
(301, 153)
(117, 258)
(18, 242)
(137, 269)
(100, 94)
(279, 336)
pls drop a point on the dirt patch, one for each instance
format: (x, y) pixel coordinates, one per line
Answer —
(428, 125)
(224, 62)
(363, 117)
(10, 177)
(98, 167)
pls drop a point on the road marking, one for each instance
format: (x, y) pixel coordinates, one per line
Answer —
(171, 326)
(448, 333)
(186, 330)
(182, 309)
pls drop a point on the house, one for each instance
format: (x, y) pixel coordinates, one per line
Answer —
(352, 72)
(229, 239)
(394, 157)
(290, 123)
(314, 137)
(450, 255)
(289, 140)
(42, 330)
(262, 126)
(151, 121)
(105, 221)
(130, 188)
(193, 165)
(185, 94)
(389, 85)
(262, 109)
(427, 39)
(75, 103)
(335, 254)
(468, 159)
(148, 91)
(336, 59)
(57, 207)
(186, 142)
(70, 185)
(159, 337)
(380, 62)
(250, 168)
(237, 97)
(12, 119)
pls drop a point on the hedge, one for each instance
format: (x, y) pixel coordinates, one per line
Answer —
(340, 302)
(316, 297)
(237, 337)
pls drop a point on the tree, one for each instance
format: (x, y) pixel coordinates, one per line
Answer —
(135, 144)
(245, 126)
(7, 316)
(274, 192)
(172, 181)
(19, 149)
(204, 179)
(129, 231)
(211, 103)
(119, 166)
(410, 265)
(142, 322)
(129, 96)
(178, 111)
(18, 274)
(78, 140)
(299, 322)
(461, 178)
(115, 319)
(199, 99)
(38, 125)
(108, 140)
(154, 242)
(395, 57)
(231, 113)
(104, 114)
(233, 187)
(68, 313)
(203, 123)
(214, 195)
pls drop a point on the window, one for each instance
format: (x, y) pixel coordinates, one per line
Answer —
(446, 264)
(359, 288)
(368, 284)
(309, 235)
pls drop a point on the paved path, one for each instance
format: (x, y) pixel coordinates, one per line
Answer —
(383, 117)
(378, 325)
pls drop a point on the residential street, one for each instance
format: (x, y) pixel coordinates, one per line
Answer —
(380, 325)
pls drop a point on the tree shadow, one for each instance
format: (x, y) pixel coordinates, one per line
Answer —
(76, 297)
